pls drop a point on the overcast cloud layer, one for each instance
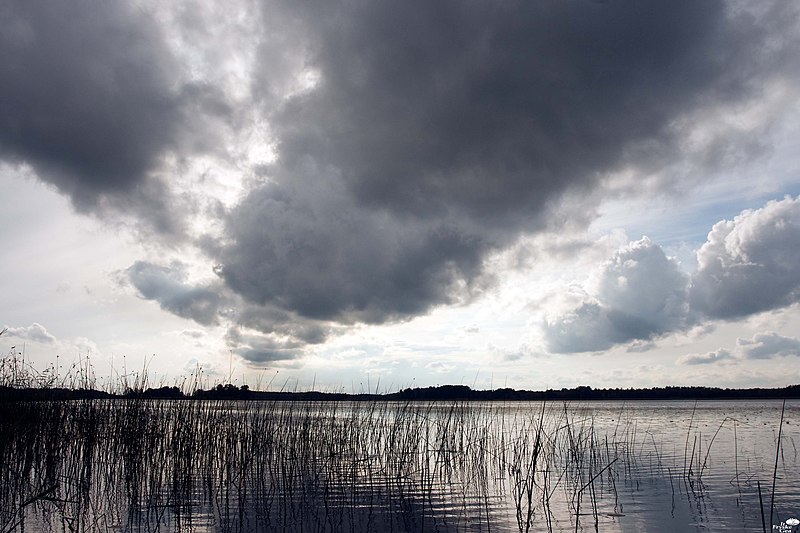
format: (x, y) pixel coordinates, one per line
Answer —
(412, 141)
(437, 133)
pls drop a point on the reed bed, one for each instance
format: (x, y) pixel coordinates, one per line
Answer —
(149, 465)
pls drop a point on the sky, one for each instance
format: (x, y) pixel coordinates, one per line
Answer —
(352, 196)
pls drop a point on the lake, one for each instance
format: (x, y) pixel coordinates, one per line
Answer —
(219, 466)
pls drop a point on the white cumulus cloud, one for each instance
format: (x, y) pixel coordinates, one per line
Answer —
(34, 333)
(638, 294)
(749, 264)
(746, 266)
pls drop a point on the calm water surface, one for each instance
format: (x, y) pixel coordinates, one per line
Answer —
(241, 467)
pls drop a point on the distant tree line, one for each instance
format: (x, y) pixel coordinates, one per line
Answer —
(443, 393)
(462, 392)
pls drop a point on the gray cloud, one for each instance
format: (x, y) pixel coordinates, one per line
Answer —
(258, 334)
(316, 253)
(761, 346)
(639, 294)
(640, 346)
(269, 320)
(705, 358)
(767, 346)
(168, 287)
(260, 349)
(86, 94)
(92, 99)
(749, 264)
(495, 109)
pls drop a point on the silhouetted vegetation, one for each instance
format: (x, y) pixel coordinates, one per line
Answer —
(439, 393)
(21, 381)
(447, 458)
(139, 464)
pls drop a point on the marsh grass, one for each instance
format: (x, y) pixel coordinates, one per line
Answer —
(94, 465)
(146, 465)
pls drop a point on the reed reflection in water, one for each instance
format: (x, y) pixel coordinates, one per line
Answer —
(147, 465)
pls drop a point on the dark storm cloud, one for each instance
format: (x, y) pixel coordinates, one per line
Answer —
(91, 98)
(316, 253)
(168, 287)
(85, 94)
(496, 107)
(438, 132)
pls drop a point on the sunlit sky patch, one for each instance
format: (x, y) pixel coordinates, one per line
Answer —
(372, 196)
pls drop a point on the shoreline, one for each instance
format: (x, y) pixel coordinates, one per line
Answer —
(440, 393)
